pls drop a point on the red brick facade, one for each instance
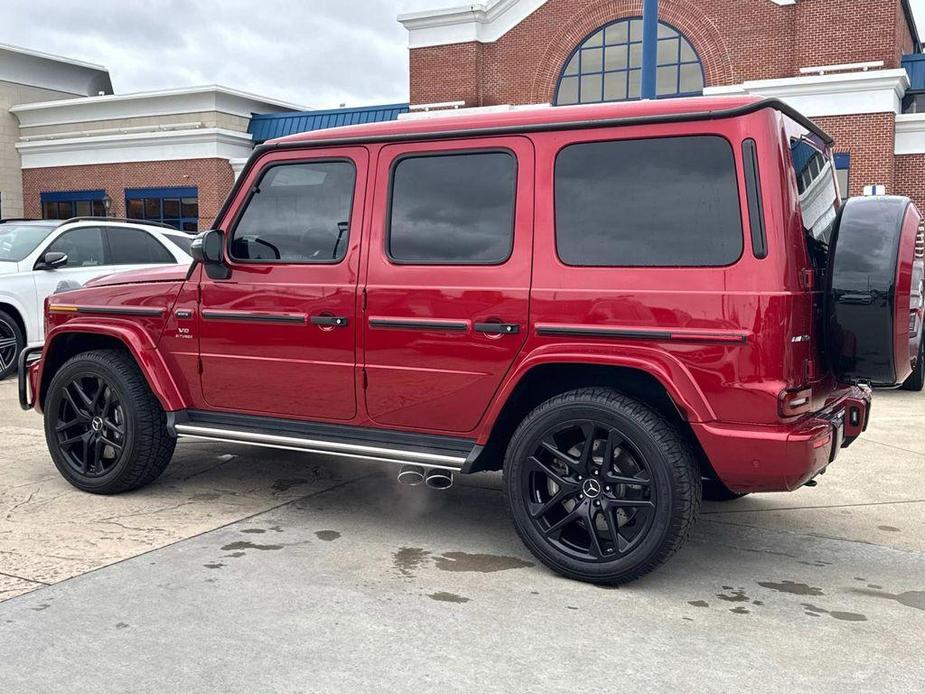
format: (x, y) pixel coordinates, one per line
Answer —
(737, 40)
(213, 178)
(869, 140)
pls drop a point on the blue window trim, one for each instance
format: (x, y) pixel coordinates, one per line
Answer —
(160, 194)
(842, 160)
(649, 65)
(72, 195)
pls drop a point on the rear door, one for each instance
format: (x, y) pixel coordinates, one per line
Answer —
(278, 337)
(448, 279)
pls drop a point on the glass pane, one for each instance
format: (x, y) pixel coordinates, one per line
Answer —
(665, 31)
(842, 176)
(636, 30)
(615, 86)
(189, 207)
(617, 33)
(687, 52)
(592, 60)
(152, 208)
(615, 58)
(84, 209)
(134, 209)
(635, 55)
(666, 80)
(135, 247)
(596, 40)
(171, 207)
(591, 86)
(668, 51)
(568, 91)
(635, 86)
(572, 67)
(691, 79)
(190, 226)
(453, 209)
(98, 209)
(697, 174)
(48, 210)
(300, 213)
(83, 246)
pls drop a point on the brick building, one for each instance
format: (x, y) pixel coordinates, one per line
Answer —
(852, 65)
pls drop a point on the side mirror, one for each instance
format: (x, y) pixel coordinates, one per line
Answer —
(208, 248)
(51, 261)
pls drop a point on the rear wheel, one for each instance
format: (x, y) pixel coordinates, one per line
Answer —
(916, 381)
(12, 342)
(106, 431)
(601, 488)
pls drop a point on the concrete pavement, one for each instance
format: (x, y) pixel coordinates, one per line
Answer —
(247, 570)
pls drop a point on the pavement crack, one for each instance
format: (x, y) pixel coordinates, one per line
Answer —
(23, 578)
(808, 508)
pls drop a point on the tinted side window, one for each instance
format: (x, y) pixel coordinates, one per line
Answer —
(136, 247)
(818, 199)
(298, 213)
(659, 202)
(184, 243)
(453, 209)
(83, 247)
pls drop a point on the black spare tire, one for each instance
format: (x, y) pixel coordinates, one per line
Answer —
(874, 322)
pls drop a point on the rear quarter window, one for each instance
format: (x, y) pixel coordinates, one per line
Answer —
(665, 202)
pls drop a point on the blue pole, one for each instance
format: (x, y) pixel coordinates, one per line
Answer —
(649, 47)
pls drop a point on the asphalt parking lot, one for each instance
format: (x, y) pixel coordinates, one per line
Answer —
(249, 570)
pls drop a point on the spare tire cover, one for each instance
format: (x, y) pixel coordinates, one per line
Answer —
(871, 325)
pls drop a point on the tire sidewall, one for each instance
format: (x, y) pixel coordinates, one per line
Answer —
(87, 366)
(8, 320)
(522, 446)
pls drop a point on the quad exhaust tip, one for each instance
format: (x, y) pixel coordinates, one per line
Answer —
(413, 476)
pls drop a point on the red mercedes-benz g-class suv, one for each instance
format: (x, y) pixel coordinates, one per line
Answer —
(621, 306)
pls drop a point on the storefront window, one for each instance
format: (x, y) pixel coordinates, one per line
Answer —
(177, 207)
(74, 203)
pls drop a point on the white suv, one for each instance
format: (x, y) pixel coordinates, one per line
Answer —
(39, 257)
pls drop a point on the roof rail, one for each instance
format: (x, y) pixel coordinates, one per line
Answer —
(145, 222)
(20, 219)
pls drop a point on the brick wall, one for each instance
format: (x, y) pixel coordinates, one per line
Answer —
(869, 139)
(213, 178)
(737, 40)
(910, 178)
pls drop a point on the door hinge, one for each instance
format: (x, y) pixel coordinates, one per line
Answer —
(199, 365)
(364, 299)
(365, 380)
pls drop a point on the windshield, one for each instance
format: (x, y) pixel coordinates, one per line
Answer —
(18, 240)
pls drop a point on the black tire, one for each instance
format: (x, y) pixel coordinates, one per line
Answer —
(714, 490)
(9, 351)
(916, 381)
(653, 476)
(106, 431)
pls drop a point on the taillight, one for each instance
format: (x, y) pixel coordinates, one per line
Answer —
(920, 243)
(794, 401)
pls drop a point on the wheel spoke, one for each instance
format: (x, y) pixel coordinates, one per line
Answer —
(595, 547)
(117, 447)
(70, 441)
(553, 501)
(85, 458)
(613, 529)
(557, 527)
(81, 414)
(571, 461)
(630, 503)
(587, 450)
(622, 479)
(550, 473)
(7, 342)
(113, 427)
(97, 453)
(84, 398)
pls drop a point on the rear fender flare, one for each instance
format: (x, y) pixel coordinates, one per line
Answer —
(138, 343)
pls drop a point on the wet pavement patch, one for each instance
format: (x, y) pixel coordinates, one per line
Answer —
(735, 596)
(815, 611)
(480, 563)
(327, 535)
(216, 565)
(698, 603)
(121, 625)
(286, 485)
(447, 597)
(740, 610)
(248, 545)
(253, 531)
(911, 598)
(208, 496)
(408, 559)
(792, 587)
(888, 528)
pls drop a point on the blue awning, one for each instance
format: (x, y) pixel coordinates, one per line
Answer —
(268, 126)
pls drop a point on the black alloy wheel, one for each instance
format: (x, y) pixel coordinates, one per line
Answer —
(11, 344)
(601, 487)
(590, 492)
(90, 426)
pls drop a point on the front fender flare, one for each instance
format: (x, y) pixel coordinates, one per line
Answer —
(138, 343)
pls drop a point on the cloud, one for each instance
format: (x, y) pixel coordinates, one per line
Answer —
(319, 53)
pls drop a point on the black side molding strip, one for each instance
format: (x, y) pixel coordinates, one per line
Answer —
(775, 104)
(410, 324)
(753, 193)
(107, 310)
(247, 316)
(622, 334)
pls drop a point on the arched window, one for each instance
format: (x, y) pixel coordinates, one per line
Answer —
(608, 65)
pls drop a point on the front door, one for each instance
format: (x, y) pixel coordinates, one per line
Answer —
(448, 279)
(279, 336)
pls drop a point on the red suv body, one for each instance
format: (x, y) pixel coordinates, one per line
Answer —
(416, 291)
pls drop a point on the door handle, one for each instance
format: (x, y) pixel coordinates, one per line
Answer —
(330, 321)
(497, 328)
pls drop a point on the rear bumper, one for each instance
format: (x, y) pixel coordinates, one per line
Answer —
(783, 457)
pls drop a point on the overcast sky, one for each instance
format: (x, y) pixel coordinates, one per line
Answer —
(319, 53)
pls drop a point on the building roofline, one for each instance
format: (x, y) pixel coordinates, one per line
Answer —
(484, 22)
(332, 111)
(134, 96)
(52, 56)
(913, 28)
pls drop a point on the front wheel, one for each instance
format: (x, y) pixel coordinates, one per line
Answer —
(106, 431)
(12, 342)
(601, 488)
